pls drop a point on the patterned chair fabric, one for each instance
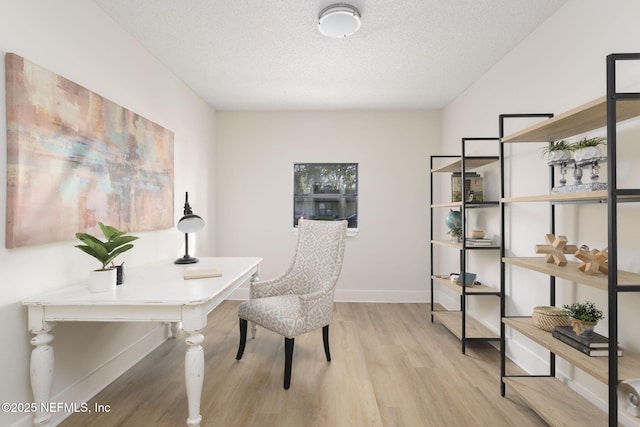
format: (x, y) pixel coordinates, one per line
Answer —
(300, 300)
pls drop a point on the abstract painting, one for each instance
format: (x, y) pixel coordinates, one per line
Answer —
(75, 158)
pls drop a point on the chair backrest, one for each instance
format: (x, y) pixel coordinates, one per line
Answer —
(317, 261)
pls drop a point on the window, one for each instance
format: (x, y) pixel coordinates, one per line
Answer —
(326, 191)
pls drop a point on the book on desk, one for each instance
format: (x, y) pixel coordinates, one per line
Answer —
(200, 272)
(595, 345)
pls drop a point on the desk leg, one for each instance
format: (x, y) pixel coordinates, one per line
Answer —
(194, 376)
(174, 329)
(42, 364)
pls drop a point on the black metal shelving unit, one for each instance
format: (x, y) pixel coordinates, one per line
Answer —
(462, 164)
(608, 111)
(552, 280)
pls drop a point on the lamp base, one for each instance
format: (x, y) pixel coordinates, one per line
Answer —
(186, 260)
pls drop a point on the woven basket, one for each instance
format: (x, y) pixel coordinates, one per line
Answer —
(547, 318)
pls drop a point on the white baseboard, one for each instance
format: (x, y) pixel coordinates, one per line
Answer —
(448, 300)
(352, 295)
(103, 375)
(523, 356)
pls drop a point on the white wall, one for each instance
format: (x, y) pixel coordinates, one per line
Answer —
(559, 66)
(388, 259)
(78, 41)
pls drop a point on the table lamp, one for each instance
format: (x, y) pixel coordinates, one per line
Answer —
(189, 223)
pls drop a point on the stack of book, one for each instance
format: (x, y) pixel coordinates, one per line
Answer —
(595, 345)
(478, 242)
(473, 187)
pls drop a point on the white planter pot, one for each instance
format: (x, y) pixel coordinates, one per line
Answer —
(559, 155)
(102, 280)
(587, 153)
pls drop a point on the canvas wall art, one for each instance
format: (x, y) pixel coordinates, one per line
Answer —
(75, 158)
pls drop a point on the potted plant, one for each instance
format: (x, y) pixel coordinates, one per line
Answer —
(453, 221)
(558, 151)
(583, 316)
(456, 232)
(116, 243)
(588, 148)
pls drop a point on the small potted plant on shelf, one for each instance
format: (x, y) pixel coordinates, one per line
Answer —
(583, 316)
(588, 148)
(557, 152)
(117, 242)
(453, 221)
(456, 233)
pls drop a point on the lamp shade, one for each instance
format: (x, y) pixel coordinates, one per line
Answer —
(190, 223)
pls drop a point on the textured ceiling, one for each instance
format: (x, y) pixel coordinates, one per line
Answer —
(269, 55)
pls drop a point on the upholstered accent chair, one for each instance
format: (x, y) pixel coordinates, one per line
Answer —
(300, 300)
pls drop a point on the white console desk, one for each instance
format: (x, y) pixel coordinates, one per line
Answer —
(153, 293)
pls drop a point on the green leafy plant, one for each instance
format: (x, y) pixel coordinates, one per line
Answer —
(455, 230)
(105, 252)
(587, 311)
(588, 142)
(556, 146)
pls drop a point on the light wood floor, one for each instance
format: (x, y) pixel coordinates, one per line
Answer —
(390, 367)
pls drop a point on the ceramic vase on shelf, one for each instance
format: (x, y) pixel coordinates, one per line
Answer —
(587, 153)
(558, 156)
(582, 328)
(102, 280)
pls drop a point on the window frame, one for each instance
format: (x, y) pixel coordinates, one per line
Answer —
(337, 196)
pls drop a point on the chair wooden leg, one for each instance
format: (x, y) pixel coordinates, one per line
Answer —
(288, 359)
(325, 338)
(243, 338)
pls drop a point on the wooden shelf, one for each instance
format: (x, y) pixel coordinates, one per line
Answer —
(585, 118)
(477, 289)
(458, 246)
(556, 403)
(598, 367)
(590, 197)
(571, 272)
(447, 205)
(447, 243)
(452, 320)
(470, 162)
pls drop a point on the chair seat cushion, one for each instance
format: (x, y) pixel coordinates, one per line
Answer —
(280, 314)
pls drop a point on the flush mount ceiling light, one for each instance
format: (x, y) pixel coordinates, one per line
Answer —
(339, 20)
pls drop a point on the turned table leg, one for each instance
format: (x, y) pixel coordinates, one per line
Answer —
(174, 326)
(194, 376)
(42, 365)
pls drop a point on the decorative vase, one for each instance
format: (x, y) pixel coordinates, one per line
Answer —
(587, 153)
(582, 328)
(102, 280)
(558, 156)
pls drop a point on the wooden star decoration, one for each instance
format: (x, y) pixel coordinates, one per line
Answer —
(593, 262)
(555, 249)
